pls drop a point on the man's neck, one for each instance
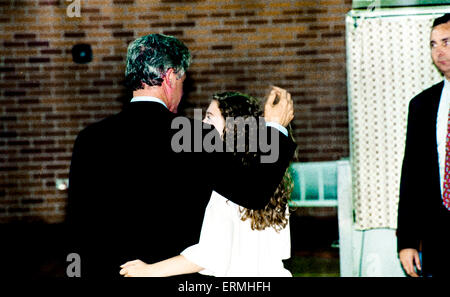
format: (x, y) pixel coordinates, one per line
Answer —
(153, 92)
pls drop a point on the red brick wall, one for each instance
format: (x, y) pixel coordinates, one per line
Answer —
(46, 99)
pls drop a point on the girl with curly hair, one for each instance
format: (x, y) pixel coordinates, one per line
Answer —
(234, 241)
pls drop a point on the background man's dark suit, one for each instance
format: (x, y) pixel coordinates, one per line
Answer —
(127, 184)
(421, 214)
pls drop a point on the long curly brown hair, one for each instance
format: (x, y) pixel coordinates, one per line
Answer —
(276, 212)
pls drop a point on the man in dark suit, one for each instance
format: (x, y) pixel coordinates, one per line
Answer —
(132, 194)
(423, 213)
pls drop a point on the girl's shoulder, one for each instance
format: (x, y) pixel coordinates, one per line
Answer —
(218, 200)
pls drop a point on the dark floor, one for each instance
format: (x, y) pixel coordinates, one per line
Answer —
(313, 245)
(323, 264)
(24, 252)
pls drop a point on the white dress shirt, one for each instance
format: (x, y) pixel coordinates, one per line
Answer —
(148, 99)
(228, 247)
(441, 129)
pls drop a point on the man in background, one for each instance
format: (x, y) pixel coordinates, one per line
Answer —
(424, 207)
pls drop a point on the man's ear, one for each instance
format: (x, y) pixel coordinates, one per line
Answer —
(144, 86)
(170, 77)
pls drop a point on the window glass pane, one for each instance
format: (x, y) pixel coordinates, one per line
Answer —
(330, 182)
(312, 183)
(392, 3)
(294, 170)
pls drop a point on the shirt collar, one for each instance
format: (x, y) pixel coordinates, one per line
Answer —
(148, 99)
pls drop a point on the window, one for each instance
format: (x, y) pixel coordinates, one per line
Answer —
(396, 3)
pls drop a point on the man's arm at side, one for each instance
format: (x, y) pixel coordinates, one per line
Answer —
(408, 227)
(408, 230)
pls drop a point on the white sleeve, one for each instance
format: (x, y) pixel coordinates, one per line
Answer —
(286, 242)
(213, 251)
(278, 127)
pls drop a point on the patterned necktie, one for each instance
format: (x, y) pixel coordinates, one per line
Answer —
(446, 195)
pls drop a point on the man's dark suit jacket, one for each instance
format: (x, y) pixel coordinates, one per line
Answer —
(421, 214)
(132, 197)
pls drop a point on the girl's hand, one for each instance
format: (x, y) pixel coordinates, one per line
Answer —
(136, 268)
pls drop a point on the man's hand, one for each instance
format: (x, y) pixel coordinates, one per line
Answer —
(279, 111)
(410, 258)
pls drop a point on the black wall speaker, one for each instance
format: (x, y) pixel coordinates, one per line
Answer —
(82, 53)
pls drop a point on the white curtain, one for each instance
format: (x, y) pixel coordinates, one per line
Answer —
(388, 62)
